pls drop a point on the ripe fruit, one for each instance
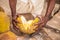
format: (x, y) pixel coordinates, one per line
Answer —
(8, 36)
(25, 26)
(4, 22)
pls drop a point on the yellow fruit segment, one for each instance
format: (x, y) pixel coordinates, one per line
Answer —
(27, 26)
(4, 22)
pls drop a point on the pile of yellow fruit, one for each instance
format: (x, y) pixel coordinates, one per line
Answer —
(25, 26)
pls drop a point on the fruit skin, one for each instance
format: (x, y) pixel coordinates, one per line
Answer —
(4, 22)
(8, 36)
(25, 26)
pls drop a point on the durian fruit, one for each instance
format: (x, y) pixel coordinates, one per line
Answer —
(8, 36)
(25, 26)
(4, 22)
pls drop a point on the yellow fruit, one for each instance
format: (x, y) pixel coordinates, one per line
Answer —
(8, 36)
(4, 22)
(27, 26)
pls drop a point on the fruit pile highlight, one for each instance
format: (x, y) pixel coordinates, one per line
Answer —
(25, 26)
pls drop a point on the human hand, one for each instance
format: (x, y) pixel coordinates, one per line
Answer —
(42, 22)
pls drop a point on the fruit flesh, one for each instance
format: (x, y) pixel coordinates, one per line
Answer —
(27, 26)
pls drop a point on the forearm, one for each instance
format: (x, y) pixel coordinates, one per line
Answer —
(13, 7)
(50, 7)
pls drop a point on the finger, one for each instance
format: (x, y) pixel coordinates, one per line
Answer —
(16, 21)
(37, 23)
(40, 22)
(15, 26)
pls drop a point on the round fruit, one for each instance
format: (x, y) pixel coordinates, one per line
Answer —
(8, 36)
(4, 22)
